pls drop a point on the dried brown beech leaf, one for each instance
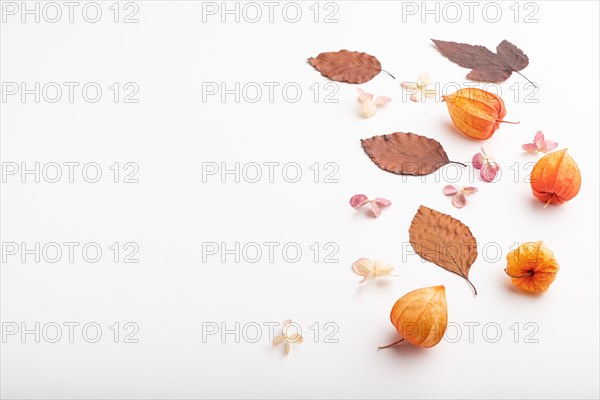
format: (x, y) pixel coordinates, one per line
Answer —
(347, 66)
(486, 65)
(406, 153)
(444, 241)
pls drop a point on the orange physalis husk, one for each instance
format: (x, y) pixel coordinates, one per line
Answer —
(421, 316)
(475, 112)
(532, 267)
(555, 178)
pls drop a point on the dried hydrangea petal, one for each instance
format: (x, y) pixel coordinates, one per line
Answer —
(363, 266)
(382, 268)
(358, 200)
(375, 209)
(530, 147)
(469, 190)
(459, 201)
(277, 340)
(450, 190)
(488, 171)
(382, 202)
(478, 160)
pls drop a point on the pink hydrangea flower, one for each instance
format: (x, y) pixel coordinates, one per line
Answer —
(485, 163)
(459, 200)
(368, 106)
(374, 205)
(540, 144)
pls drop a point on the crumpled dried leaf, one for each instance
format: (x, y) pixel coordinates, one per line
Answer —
(406, 153)
(369, 270)
(368, 106)
(486, 66)
(532, 267)
(444, 241)
(421, 317)
(540, 144)
(346, 66)
(555, 178)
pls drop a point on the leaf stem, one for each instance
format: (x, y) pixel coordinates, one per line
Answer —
(527, 79)
(472, 286)
(383, 70)
(390, 345)
(508, 122)
(458, 162)
(549, 200)
(528, 274)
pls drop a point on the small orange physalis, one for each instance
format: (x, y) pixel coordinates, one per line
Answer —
(475, 112)
(555, 178)
(420, 317)
(532, 267)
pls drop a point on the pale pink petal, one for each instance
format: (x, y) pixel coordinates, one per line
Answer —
(368, 109)
(488, 171)
(412, 86)
(486, 149)
(363, 96)
(363, 266)
(549, 145)
(459, 201)
(375, 209)
(417, 97)
(368, 277)
(382, 202)
(478, 161)
(287, 348)
(530, 147)
(381, 100)
(450, 190)
(358, 200)
(538, 140)
(423, 79)
(429, 93)
(469, 190)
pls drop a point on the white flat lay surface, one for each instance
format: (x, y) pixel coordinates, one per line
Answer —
(177, 59)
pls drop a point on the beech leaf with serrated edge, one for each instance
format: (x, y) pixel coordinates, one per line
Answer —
(444, 241)
(406, 153)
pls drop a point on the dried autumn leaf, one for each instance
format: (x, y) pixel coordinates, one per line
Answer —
(346, 66)
(555, 178)
(406, 153)
(486, 65)
(532, 267)
(421, 317)
(475, 112)
(444, 241)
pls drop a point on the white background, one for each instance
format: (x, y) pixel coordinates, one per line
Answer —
(170, 132)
